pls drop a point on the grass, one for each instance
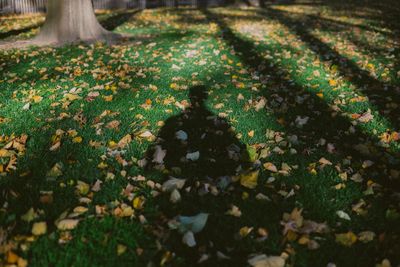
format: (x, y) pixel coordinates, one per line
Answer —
(334, 69)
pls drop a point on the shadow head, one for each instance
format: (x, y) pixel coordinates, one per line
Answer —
(198, 95)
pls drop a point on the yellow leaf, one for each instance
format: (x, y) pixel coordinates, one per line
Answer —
(371, 66)
(303, 240)
(108, 98)
(22, 262)
(29, 216)
(72, 133)
(77, 139)
(251, 133)
(240, 85)
(82, 188)
(112, 144)
(4, 153)
(71, 97)
(37, 98)
(39, 228)
(244, 231)
(346, 239)
(102, 165)
(249, 180)
(291, 235)
(166, 258)
(80, 209)
(138, 202)
(332, 82)
(127, 211)
(121, 249)
(12, 257)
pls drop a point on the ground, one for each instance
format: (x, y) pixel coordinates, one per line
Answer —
(310, 92)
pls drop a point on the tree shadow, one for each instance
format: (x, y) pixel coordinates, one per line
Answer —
(114, 21)
(336, 131)
(4, 35)
(198, 144)
(319, 112)
(384, 13)
(378, 92)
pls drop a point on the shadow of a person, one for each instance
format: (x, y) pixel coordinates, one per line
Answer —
(198, 144)
(201, 147)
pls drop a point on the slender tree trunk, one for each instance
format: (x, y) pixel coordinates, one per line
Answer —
(71, 21)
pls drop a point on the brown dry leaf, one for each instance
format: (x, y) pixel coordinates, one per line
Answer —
(366, 117)
(266, 261)
(67, 224)
(270, 167)
(126, 140)
(234, 211)
(113, 124)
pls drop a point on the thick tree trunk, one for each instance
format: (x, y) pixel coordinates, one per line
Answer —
(70, 21)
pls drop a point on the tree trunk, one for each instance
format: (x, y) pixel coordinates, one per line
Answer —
(70, 21)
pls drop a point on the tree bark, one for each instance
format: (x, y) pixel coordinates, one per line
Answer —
(71, 21)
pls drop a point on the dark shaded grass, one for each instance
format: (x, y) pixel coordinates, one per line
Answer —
(10, 33)
(114, 21)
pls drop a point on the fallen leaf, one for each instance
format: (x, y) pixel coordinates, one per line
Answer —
(234, 211)
(37, 98)
(188, 239)
(159, 155)
(366, 117)
(181, 135)
(97, 186)
(121, 249)
(55, 171)
(126, 140)
(266, 261)
(77, 139)
(343, 215)
(39, 228)
(249, 180)
(270, 167)
(194, 224)
(172, 184)
(193, 156)
(67, 224)
(12, 257)
(346, 239)
(175, 196)
(366, 236)
(29, 216)
(245, 231)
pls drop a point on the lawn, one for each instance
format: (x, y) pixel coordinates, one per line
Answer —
(309, 95)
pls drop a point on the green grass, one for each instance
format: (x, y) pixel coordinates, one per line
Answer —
(307, 61)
